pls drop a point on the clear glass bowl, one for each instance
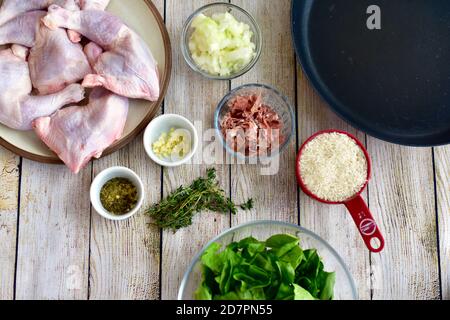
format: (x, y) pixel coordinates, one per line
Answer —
(270, 96)
(242, 16)
(345, 288)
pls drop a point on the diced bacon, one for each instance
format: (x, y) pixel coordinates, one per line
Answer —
(252, 128)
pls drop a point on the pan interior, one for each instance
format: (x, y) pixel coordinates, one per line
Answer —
(392, 83)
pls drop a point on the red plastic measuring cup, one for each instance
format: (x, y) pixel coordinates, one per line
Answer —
(356, 205)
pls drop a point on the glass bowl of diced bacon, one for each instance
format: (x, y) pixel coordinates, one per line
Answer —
(255, 121)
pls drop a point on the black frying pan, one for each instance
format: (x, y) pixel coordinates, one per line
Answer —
(392, 83)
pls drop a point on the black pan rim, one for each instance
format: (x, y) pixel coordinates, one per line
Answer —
(300, 50)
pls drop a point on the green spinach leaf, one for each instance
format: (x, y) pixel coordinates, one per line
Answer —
(275, 269)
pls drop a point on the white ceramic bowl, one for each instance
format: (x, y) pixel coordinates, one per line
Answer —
(163, 124)
(105, 176)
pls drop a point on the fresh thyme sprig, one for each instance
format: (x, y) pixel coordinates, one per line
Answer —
(178, 209)
(248, 205)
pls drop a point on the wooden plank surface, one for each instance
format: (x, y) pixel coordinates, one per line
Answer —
(66, 251)
(9, 202)
(442, 158)
(194, 97)
(275, 195)
(53, 250)
(333, 223)
(402, 194)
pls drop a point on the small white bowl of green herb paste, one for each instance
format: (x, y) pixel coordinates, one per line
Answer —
(117, 193)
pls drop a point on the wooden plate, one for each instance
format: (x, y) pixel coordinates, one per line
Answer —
(143, 17)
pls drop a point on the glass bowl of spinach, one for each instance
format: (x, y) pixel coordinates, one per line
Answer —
(268, 260)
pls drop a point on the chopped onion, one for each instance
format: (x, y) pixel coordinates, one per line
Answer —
(221, 45)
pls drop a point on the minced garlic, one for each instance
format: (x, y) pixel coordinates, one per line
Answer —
(333, 167)
(175, 144)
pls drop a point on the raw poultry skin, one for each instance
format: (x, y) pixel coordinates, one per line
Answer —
(93, 4)
(20, 51)
(55, 61)
(92, 51)
(86, 5)
(22, 29)
(78, 134)
(11, 9)
(17, 107)
(127, 66)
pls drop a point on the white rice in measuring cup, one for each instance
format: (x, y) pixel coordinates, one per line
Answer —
(333, 167)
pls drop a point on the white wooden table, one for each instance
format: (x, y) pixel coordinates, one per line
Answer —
(52, 245)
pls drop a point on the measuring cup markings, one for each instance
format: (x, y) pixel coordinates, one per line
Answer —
(368, 227)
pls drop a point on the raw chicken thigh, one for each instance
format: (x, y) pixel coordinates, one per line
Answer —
(55, 61)
(78, 134)
(17, 107)
(127, 66)
(11, 9)
(22, 29)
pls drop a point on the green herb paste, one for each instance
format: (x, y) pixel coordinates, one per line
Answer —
(119, 196)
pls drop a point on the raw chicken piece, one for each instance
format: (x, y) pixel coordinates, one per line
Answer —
(22, 29)
(86, 5)
(78, 134)
(127, 66)
(17, 107)
(55, 61)
(93, 4)
(11, 9)
(20, 51)
(93, 51)
(74, 36)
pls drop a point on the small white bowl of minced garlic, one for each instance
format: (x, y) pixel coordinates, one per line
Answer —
(171, 140)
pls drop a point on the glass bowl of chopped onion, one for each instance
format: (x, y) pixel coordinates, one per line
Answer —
(221, 41)
(254, 122)
(268, 260)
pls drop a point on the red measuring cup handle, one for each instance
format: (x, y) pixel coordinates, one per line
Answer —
(366, 224)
